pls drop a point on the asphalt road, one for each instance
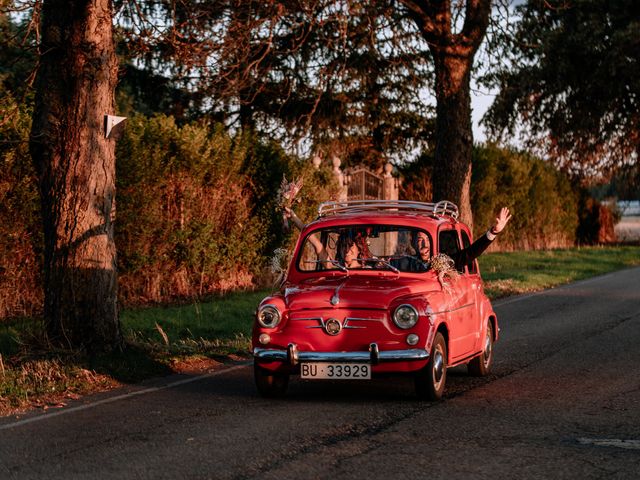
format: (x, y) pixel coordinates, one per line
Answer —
(564, 402)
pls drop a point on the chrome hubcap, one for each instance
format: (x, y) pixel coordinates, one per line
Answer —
(438, 366)
(487, 348)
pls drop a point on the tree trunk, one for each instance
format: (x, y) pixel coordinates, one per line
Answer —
(454, 135)
(453, 55)
(76, 171)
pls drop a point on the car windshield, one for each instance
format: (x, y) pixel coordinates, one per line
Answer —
(378, 247)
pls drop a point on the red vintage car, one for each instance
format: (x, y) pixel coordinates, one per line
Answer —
(346, 312)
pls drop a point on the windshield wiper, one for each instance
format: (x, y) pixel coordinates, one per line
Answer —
(335, 263)
(380, 260)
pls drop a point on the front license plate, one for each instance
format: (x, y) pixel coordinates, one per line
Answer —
(335, 371)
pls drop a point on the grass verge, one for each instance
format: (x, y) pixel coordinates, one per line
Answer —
(513, 273)
(197, 336)
(159, 341)
(219, 326)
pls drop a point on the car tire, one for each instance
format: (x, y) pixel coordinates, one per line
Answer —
(481, 365)
(270, 384)
(431, 380)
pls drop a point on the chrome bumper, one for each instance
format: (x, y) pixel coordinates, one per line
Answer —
(374, 356)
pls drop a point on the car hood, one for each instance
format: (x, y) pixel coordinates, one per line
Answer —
(356, 291)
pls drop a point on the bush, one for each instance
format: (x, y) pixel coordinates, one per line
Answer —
(184, 226)
(267, 165)
(20, 228)
(597, 220)
(416, 179)
(542, 200)
(197, 208)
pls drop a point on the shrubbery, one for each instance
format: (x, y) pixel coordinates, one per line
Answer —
(196, 208)
(20, 230)
(184, 211)
(196, 211)
(543, 201)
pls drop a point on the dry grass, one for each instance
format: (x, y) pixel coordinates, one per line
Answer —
(47, 383)
(507, 287)
(41, 380)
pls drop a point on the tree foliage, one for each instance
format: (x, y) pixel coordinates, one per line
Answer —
(18, 49)
(342, 76)
(503, 177)
(571, 82)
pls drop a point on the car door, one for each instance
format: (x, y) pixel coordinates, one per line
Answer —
(475, 286)
(460, 300)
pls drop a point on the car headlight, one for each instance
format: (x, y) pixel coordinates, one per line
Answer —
(269, 316)
(405, 316)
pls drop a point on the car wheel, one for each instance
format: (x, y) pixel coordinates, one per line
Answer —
(270, 384)
(481, 366)
(430, 381)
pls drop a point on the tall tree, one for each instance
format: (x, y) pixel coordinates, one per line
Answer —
(369, 109)
(75, 163)
(341, 74)
(570, 83)
(338, 72)
(453, 55)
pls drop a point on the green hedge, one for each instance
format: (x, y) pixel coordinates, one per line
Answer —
(183, 212)
(196, 208)
(543, 202)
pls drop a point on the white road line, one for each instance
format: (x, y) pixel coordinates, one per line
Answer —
(117, 398)
(611, 442)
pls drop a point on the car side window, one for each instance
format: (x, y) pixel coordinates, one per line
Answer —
(448, 242)
(472, 266)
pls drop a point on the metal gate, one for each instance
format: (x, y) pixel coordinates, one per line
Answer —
(364, 185)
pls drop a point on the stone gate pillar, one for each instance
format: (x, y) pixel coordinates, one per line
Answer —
(340, 178)
(391, 184)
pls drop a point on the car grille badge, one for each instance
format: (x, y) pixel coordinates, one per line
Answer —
(333, 326)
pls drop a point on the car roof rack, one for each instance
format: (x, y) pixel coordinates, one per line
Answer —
(439, 209)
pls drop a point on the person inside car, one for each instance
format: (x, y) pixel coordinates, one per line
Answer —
(421, 244)
(349, 250)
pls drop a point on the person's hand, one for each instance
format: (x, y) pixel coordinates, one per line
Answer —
(501, 221)
(289, 214)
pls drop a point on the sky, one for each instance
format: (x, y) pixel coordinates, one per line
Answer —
(481, 100)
